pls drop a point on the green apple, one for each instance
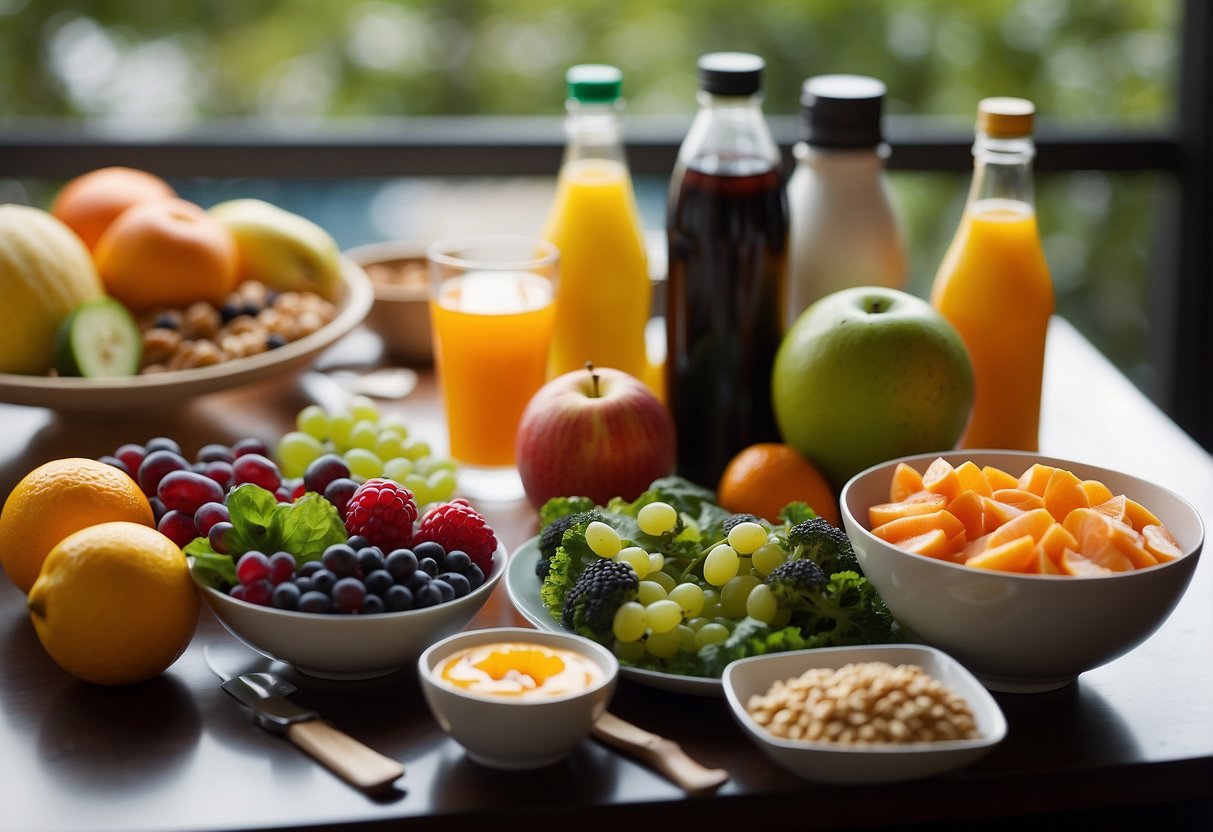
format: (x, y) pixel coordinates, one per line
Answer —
(868, 374)
(283, 250)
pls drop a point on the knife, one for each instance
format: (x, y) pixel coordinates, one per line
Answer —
(664, 755)
(265, 694)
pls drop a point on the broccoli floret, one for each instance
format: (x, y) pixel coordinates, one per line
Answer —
(602, 588)
(735, 519)
(553, 533)
(824, 544)
(842, 609)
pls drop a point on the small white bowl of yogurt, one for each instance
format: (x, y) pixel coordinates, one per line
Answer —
(517, 698)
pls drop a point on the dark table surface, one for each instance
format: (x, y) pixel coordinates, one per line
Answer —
(1134, 737)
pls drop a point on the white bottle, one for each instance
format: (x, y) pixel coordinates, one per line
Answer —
(843, 229)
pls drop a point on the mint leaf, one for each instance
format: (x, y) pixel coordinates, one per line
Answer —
(308, 526)
(254, 515)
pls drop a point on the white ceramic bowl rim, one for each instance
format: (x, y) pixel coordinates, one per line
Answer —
(440, 650)
(1048, 460)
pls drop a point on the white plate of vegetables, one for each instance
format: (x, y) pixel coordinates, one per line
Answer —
(678, 587)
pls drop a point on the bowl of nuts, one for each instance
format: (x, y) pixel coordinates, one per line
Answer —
(401, 312)
(869, 714)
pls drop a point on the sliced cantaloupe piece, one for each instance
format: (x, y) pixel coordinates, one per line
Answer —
(1012, 556)
(1036, 478)
(1032, 523)
(1161, 543)
(998, 478)
(920, 502)
(998, 513)
(1096, 534)
(1097, 492)
(969, 510)
(1056, 540)
(1019, 498)
(933, 544)
(972, 479)
(1064, 493)
(903, 528)
(941, 478)
(1139, 516)
(906, 481)
(1073, 563)
(1114, 508)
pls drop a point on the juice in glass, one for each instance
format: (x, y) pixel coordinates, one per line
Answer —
(603, 296)
(491, 336)
(994, 287)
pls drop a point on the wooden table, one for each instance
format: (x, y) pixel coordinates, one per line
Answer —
(177, 753)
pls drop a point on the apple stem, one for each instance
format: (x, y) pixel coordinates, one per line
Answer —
(589, 366)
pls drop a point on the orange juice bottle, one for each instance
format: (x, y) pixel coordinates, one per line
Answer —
(603, 294)
(994, 284)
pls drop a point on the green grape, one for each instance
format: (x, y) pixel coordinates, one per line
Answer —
(442, 485)
(696, 622)
(418, 485)
(395, 424)
(745, 566)
(389, 444)
(657, 518)
(656, 561)
(733, 595)
(295, 452)
(746, 537)
(663, 645)
(362, 407)
(686, 638)
(364, 434)
(663, 615)
(602, 539)
(720, 564)
(649, 592)
(666, 580)
(760, 604)
(710, 633)
(314, 421)
(415, 448)
(711, 603)
(339, 431)
(397, 469)
(767, 556)
(689, 597)
(628, 651)
(636, 558)
(363, 464)
(429, 464)
(630, 622)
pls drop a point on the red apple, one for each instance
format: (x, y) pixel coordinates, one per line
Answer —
(596, 433)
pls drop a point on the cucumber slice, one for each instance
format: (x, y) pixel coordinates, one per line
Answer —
(99, 338)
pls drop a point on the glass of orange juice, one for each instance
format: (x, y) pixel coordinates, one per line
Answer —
(492, 310)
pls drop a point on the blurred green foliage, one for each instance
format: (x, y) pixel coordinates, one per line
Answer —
(1089, 64)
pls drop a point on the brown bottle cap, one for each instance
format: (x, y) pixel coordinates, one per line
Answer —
(1005, 118)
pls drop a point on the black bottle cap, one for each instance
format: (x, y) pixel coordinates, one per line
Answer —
(841, 111)
(730, 73)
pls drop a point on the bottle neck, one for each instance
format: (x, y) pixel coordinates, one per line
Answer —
(729, 136)
(1002, 170)
(594, 131)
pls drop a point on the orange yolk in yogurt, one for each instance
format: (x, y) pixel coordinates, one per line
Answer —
(520, 670)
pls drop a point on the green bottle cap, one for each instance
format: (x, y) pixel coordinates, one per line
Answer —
(594, 83)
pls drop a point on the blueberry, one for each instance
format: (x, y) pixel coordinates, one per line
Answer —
(162, 443)
(315, 602)
(448, 591)
(429, 566)
(379, 582)
(324, 580)
(429, 549)
(348, 594)
(428, 596)
(373, 604)
(417, 580)
(370, 558)
(114, 462)
(457, 561)
(305, 584)
(460, 584)
(310, 568)
(341, 560)
(358, 541)
(401, 563)
(398, 598)
(286, 596)
(475, 575)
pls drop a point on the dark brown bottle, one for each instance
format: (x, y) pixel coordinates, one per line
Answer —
(727, 226)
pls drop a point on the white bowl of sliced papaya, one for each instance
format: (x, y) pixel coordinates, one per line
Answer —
(1027, 569)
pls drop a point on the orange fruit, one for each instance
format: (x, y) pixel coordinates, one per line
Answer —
(56, 499)
(114, 604)
(91, 201)
(763, 478)
(167, 252)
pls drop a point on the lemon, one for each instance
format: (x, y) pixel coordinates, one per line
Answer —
(114, 604)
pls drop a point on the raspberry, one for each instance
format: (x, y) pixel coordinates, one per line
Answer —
(456, 525)
(382, 511)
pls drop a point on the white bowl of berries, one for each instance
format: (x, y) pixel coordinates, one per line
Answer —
(346, 598)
